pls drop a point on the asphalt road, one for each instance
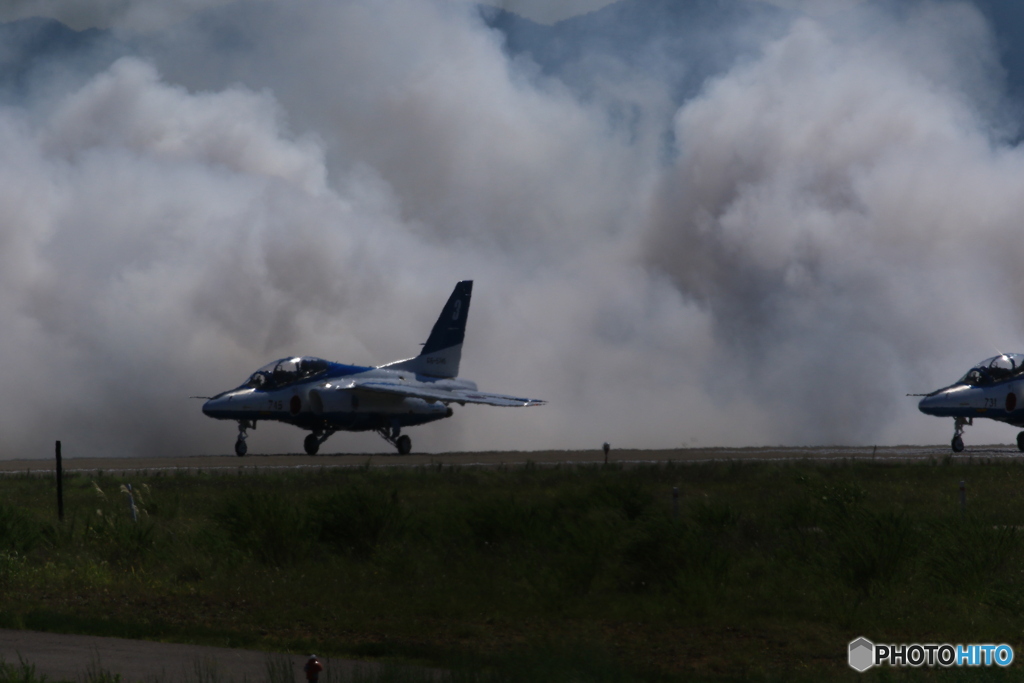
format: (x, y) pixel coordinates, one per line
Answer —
(72, 657)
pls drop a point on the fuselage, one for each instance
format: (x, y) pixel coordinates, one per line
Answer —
(323, 397)
(994, 389)
(315, 394)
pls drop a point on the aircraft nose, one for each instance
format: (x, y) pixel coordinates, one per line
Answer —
(928, 405)
(217, 405)
(210, 408)
(949, 402)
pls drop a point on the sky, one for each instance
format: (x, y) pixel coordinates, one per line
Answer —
(829, 223)
(548, 11)
(154, 14)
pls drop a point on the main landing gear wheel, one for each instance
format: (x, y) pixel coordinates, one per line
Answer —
(957, 444)
(314, 439)
(1020, 441)
(240, 447)
(402, 443)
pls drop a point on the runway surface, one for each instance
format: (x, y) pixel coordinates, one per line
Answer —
(255, 463)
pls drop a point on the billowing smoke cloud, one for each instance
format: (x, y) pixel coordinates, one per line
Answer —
(846, 211)
(827, 225)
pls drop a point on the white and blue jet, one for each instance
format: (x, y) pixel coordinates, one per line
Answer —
(325, 397)
(993, 388)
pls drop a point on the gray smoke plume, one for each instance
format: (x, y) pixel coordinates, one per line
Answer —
(846, 209)
(826, 223)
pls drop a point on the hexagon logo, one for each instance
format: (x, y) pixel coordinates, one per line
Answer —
(862, 654)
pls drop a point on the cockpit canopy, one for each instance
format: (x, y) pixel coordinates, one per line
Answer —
(995, 369)
(286, 371)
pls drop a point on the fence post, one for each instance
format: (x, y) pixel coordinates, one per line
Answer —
(60, 486)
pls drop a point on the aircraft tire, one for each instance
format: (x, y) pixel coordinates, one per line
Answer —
(957, 444)
(240, 448)
(404, 445)
(1020, 441)
(311, 444)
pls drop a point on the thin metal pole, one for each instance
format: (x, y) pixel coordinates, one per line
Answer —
(60, 486)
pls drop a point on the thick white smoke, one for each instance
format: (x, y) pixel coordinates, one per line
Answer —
(846, 210)
(834, 227)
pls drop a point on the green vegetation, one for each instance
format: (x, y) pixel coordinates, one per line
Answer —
(528, 573)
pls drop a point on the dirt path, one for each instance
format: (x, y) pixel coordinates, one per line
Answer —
(71, 657)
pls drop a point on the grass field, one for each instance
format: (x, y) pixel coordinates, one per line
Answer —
(535, 573)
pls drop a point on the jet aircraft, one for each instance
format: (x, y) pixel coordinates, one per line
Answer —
(993, 388)
(325, 397)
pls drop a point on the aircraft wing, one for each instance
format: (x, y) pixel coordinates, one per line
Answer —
(427, 393)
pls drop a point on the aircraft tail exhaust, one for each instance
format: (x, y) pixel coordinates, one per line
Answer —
(443, 350)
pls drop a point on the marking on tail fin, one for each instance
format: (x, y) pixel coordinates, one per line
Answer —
(442, 351)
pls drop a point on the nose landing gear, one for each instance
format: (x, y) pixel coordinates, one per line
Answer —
(958, 429)
(240, 448)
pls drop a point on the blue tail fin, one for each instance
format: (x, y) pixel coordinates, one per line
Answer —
(450, 328)
(441, 354)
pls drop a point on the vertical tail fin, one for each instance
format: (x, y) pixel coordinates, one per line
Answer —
(443, 350)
